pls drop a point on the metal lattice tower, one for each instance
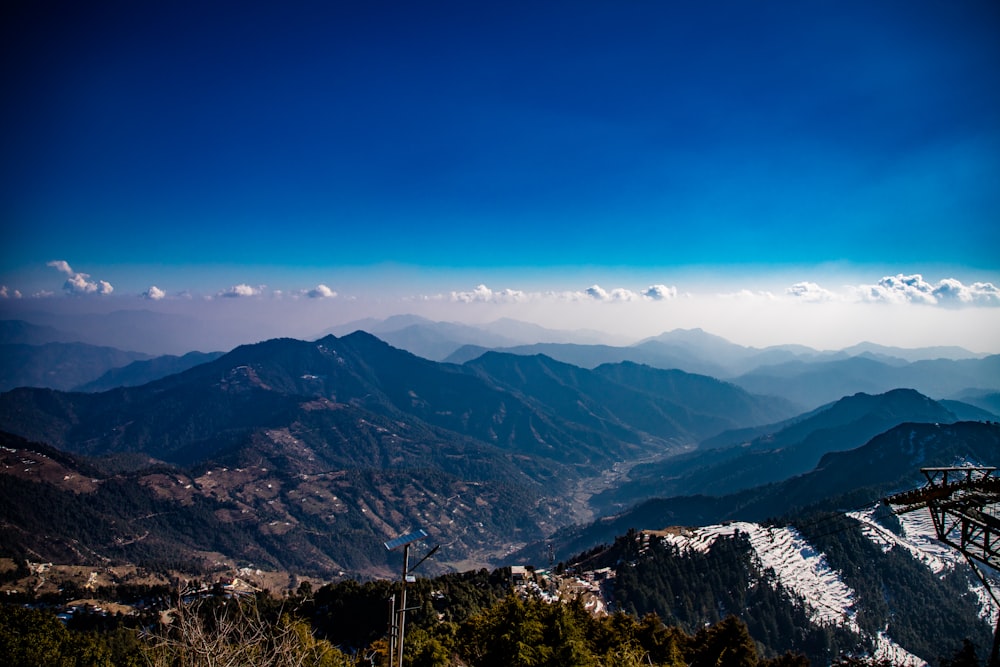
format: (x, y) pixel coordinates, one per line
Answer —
(964, 504)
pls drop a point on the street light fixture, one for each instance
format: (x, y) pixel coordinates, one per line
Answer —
(398, 615)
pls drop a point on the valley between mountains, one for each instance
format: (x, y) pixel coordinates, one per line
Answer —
(349, 440)
(304, 457)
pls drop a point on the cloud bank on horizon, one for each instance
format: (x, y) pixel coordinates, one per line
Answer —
(257, 155)
(905, 310)
(898, 289)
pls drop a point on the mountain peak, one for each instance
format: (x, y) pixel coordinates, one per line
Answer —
(910, 354)
(696, 336)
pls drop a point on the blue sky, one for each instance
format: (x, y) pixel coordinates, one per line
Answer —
(405, 153)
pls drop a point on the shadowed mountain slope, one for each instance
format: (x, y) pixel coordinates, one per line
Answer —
(532, 406)
(58, 365)
(145, 371)
(515, 438)
(816, 383)
(786, 449)
(888, 462)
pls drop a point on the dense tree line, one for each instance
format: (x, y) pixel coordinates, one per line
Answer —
(930, 615)
(692, 589)
(927, 614)
(472, 619)
(30, 637)
(513, 632)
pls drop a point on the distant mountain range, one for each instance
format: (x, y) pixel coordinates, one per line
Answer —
(151, 333)
(981, 398)
(145, 371)
(523, 441)
(821, 382)
(803, 376)
(808, 380)
(807, 377)
(26, 333)
(783, 450)
(82, 367)
(437, 340)
(63, 366)
(306, 456)
(527, 426)
(43, 356)
(497, 400)
(692, 350)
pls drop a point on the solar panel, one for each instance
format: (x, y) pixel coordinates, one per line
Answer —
(418, 534)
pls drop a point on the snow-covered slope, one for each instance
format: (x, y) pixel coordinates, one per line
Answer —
(797, 567)
(919, 538)
(804, 571)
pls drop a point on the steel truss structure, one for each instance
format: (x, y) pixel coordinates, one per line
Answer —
(964, 504)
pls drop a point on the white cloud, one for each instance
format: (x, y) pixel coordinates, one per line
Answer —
(80, 283)
(809, 291)
(240, 290)
(660, 292)
(321, 291)
(914, 289)
(483, 294)
(900, 289)
(7, 293)
(598, 293)
(748, 295)
(61, 265)
(952, 292)
(622, 294)
(154, 293)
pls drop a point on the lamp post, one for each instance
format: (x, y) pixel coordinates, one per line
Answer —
(398, 614)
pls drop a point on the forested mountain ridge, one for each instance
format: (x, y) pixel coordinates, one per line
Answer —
(700, 394)
(887, 463)
(747, 458)
(801, 375)
(142, 372)
(821, 579)
(271, 383)
(325, 523)
(824, 585)
(654, 401)
(61, 366)
(405, 441)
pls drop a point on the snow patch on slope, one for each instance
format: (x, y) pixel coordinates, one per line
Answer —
(916, 539)
(797, 566)
(891, 652)
(919, 538)
(800, 569)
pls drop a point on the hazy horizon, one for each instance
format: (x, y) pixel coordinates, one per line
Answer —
(819, 174)
(750, 319)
